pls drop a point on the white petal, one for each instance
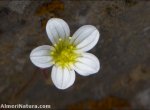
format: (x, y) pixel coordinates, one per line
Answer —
(62, 78)
(87, 64)
(40, 56)
(57, 28)
(86, 37)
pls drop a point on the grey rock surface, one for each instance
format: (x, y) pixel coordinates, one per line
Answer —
(18, 6)
(143, 98)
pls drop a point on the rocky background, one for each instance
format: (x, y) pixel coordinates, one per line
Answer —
(123, 50)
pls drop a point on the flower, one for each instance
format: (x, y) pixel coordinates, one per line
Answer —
(69, 54)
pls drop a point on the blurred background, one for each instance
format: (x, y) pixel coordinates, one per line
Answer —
(123, 50)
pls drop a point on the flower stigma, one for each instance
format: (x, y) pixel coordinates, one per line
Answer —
(64, 53)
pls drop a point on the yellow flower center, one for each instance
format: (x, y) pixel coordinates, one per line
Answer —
(64, 54)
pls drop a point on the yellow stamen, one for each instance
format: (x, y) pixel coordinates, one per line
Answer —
(60, 39)
(64, 53)
(52, 53)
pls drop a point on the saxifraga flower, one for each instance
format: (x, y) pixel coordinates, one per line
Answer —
(68, 54)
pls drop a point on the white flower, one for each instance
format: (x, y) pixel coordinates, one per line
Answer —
(69, 54)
